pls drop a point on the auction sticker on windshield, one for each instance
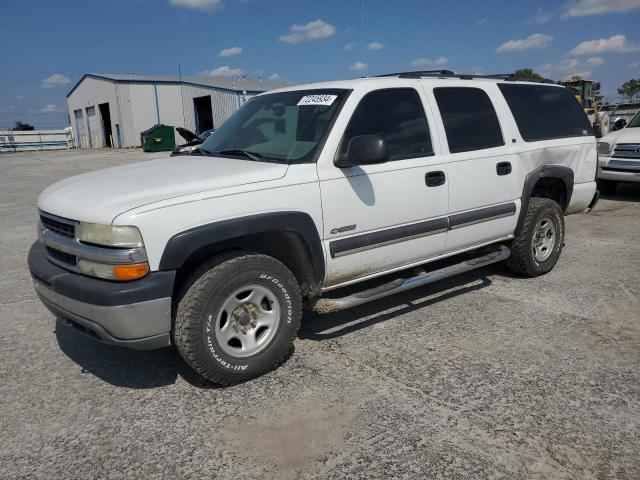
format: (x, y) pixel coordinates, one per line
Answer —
(317, 100)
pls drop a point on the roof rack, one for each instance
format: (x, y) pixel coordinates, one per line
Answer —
(508, 77)
(420, 73)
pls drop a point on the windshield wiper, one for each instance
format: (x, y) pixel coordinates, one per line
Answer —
(237, 151)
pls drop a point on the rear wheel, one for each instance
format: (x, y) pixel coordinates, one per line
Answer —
(238, 318)
(537, 247)
(607, 186)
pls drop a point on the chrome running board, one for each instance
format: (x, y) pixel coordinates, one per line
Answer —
(328, 305)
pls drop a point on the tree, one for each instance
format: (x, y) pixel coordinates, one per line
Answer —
(19, 126)
(597, 98)
(529, 74)
(630, 88)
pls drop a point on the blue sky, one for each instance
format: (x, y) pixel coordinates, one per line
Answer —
(47, 45)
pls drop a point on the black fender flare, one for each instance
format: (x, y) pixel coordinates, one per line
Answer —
(182, 245)
(546, 171)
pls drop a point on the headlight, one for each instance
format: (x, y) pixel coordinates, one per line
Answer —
(604, 148)
(109, 235)
(113, 272)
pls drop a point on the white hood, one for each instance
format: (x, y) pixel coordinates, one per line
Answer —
(102, 195)
(626, 135)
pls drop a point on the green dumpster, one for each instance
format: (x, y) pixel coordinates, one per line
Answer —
(158, 138)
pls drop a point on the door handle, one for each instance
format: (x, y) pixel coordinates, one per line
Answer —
(434, 179)
(503, 168)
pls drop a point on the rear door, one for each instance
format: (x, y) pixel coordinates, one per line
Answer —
(483, 194)
(385, 216)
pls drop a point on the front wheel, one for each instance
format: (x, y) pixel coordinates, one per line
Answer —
(537, 247)
(238, 318)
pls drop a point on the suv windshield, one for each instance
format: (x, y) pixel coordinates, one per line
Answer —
(287, 126)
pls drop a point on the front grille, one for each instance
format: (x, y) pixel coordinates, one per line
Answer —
(63, 257)
(626, 150)
(62, 226)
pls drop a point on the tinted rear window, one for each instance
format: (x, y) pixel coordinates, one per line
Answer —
(543, 112)
(469, 118)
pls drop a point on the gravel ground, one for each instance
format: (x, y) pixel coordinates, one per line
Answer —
(484, 375)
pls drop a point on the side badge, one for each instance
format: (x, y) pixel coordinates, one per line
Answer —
(346, 228)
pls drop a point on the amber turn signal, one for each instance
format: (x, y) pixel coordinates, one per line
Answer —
(130, 272)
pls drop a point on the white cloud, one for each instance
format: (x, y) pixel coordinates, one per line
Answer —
(49, 108)
(541, 16)
(202, 5)
(275, 77)
(223, 71)
(598, 7)
(19, 97)
(427, 62)
(595, 61)
(482, 21)
(316, 30)
(55, 80)
(358, 67)
(634, 65)
(537, 40)
(375, 46)
(615, 43)
(230, 52)
(350, 46)
(570, 67)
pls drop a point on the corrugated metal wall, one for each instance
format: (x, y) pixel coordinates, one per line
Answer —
(223, 104)
(90, 93)
(134, 107)
(171, 107)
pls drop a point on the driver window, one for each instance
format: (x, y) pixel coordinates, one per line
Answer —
(397, 116)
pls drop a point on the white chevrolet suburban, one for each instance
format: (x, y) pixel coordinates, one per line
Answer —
(305, 190)
(619, 156)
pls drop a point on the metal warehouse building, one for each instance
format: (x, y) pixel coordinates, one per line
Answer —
(112, 110)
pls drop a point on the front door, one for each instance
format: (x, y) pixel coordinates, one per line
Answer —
(385, 216)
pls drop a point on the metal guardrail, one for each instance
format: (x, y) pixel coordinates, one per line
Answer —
(18, 141)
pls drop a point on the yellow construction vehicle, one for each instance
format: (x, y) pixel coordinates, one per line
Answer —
(585, 91)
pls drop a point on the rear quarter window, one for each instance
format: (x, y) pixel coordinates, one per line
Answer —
(543, 112)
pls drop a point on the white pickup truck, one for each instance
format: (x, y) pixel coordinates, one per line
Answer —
(620, 157)
(306, 190)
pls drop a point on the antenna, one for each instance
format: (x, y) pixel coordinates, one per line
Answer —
(184, 119)
(362, 26)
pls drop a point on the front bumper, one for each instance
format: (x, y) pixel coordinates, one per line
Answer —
(133, 314)
(619, 169)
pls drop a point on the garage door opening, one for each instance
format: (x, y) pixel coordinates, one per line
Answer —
(105, 116)
(204, 113)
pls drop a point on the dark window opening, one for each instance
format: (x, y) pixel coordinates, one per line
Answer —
(397, 116)
(470, 121)
(204, 113)
(543, 112)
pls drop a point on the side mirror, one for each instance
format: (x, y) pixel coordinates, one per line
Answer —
(364, 150)
(619, 124)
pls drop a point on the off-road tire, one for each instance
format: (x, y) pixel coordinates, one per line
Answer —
(203, 296)
(522, 260)
(607, 186)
